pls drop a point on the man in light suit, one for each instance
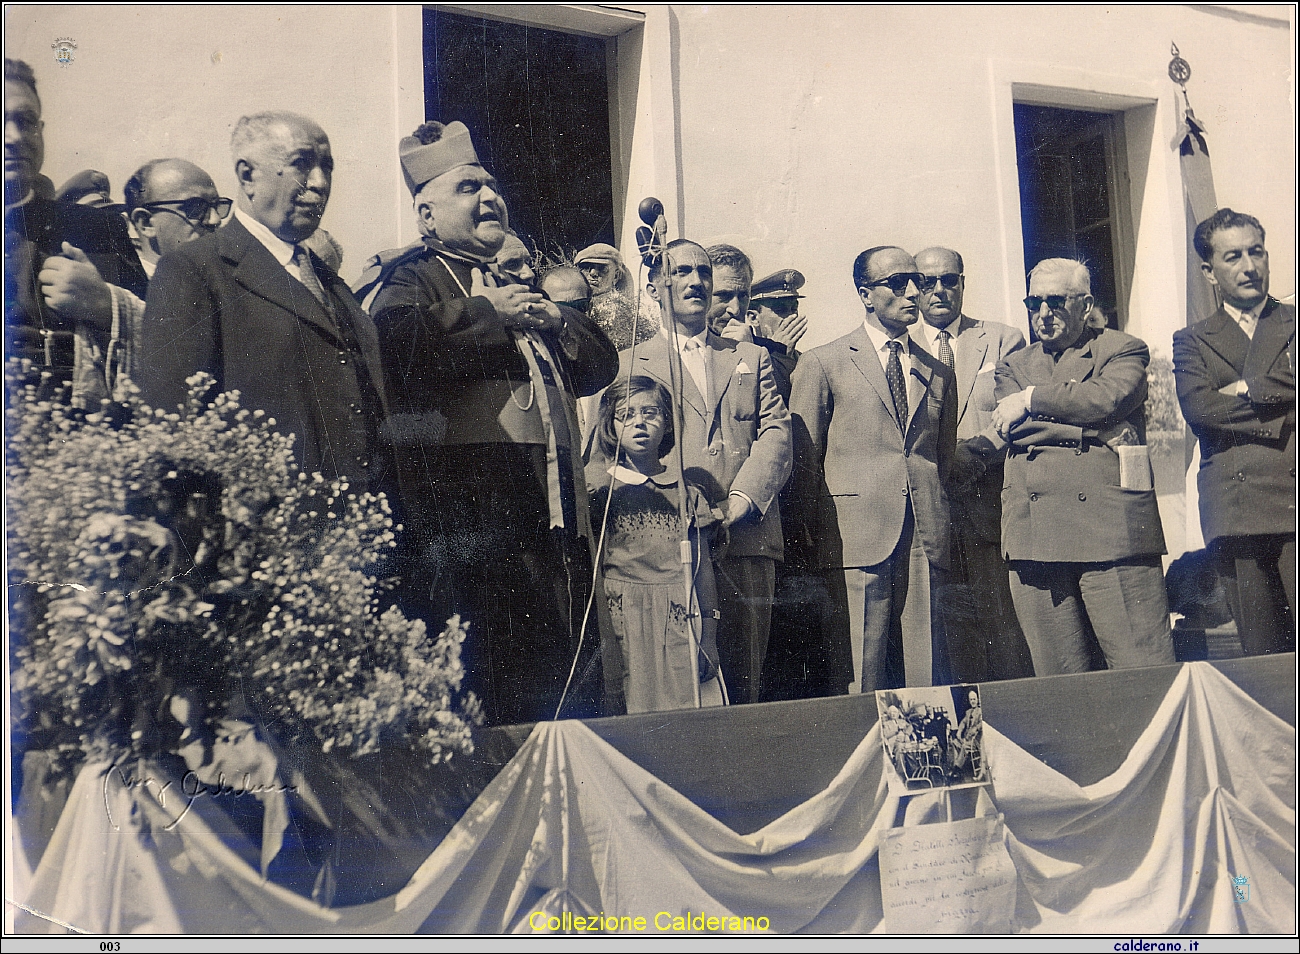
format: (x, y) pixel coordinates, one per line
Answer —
(1080, 525)
(736, 446)
(251, 306)
(984, 638)
(876, 428)
(1236, 386)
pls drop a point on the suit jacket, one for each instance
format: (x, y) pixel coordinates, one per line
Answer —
(740, 443)
(978, 348)
(1247, 479)
(856, 470)
(1061, 499)
(224, 305)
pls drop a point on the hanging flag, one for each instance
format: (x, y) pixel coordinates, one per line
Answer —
(1199, 202)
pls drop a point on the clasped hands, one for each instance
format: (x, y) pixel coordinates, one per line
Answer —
(519, 307)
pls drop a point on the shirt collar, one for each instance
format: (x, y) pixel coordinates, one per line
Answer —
(280, 250)
(880, 341)
(702, 338)
(626, 475)
(927, 335)
(1237, 313)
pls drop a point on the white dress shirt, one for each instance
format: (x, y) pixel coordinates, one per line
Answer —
(1246, 320)
(280, 250)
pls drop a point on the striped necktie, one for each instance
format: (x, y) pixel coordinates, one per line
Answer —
(307, 274)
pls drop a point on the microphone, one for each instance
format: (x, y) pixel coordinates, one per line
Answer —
(650, 241)
(650, 210)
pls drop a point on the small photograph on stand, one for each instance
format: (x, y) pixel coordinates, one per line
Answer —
(933, 737)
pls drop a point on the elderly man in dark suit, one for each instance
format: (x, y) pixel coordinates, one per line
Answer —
(1236, 384)
(1080, 525)
(984, 637)
(736, 445)
(876, 426)
(251, 306)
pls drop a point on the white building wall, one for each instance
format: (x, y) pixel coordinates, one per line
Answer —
(156, 81)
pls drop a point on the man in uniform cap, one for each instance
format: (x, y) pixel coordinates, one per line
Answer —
(776, 323)
(481, 385)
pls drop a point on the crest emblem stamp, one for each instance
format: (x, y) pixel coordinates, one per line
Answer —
(65, 50)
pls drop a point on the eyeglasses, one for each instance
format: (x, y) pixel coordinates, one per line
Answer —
(582, 304)
(1054, 302)
(648, 414)
(898, 281)
(928, 283)
(195, 209)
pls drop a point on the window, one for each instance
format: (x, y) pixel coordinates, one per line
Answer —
(1073, 196)
(537, 103)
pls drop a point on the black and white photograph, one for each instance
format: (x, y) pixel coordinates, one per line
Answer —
(479, 469)
(933, 738)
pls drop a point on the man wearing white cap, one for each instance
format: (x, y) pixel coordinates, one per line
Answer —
(482, 381)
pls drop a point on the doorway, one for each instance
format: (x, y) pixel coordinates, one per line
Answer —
(537, 104)
(1074, 197)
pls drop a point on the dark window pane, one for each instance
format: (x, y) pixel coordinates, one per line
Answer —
(537, 103)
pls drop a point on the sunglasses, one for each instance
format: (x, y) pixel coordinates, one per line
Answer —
(898, 281)
(196, 209)
(928, 283)
(582, 304)
(1054, 302)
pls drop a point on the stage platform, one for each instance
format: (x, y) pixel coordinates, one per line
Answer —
(749, 765)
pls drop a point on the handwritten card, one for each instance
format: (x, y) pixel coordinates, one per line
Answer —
(953, 878)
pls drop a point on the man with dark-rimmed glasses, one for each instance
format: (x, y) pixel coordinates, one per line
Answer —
(171, 202)
(984, 638)
(1080, 527)
(875, 431)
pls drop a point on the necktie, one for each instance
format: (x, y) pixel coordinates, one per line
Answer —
(945, 350)
(1247, 323)
(307, 274)
(696, 364)
(897, 384)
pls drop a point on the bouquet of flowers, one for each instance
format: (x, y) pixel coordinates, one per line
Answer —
(157, 558)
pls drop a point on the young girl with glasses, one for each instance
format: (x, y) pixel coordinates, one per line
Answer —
(641, 554)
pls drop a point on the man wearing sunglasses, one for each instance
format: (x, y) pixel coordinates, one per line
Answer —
(875, 429)
(984, 638)
(1080, 526)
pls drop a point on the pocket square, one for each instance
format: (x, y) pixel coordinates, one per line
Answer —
(988, 367)
(743, 368)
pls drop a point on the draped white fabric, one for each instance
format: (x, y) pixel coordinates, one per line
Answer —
(1208, 792)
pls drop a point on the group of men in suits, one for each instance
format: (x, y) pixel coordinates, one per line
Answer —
(972, 508)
